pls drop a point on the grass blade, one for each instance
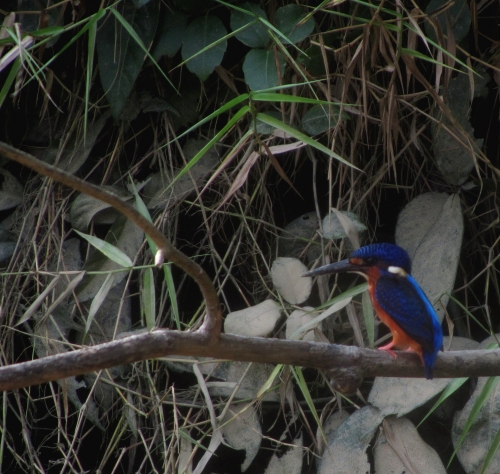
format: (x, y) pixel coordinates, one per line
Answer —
(303, 137)
(112, 252)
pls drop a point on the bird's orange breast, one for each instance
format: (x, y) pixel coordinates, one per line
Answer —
(401, 340)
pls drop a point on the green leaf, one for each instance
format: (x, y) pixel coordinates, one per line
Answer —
(320, 118)
(369, 318)
(301, 136)
(288, 22)
(112, 252)
(167, 269)
(173, 31)
(143, 210)
(255, 35)
(313, 61)
(301, 382)
(125, 236)
(275, 97)
(86, 208)
(341, 302)
(260, 70)
(98, 301)
(423, 57)
(149, 298)
(50, 31)
(224, 108)
(172, 294)
(447, 392)
(265, 129)
(120, 55)
(270, 382)
(91, 45)
(495, 444)
(483, 397)
(9, 80)
(204, 46)
(211, 143)
(356, 290)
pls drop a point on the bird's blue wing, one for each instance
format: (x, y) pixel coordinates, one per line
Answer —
(405, 302)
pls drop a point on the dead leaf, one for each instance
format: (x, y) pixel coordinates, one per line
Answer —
(287, 278)
(256, 321)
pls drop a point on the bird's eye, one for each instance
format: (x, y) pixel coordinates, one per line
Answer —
(370, 261)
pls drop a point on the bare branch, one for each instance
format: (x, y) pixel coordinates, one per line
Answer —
(161, 343)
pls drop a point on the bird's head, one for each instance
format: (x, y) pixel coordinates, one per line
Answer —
(369, 261)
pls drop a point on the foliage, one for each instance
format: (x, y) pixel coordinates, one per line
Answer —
(245, 130)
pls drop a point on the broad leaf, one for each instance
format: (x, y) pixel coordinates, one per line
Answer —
(288, 21)
(241, 429)
(172, 31)
(299, 234)
(297, 325)
(430, 229)
(77, 149)
(401, 449)
(242, 380)
(333, 228)
(313, 61)
(120, 56)
(203, 47)
(287, 278)
(260, 69)
(346, 451)
(455, 157)
(159, 191)
(256, 321)
(85, 208)
(256, 35)
(140, 3)
(265, 129)
(290, 462)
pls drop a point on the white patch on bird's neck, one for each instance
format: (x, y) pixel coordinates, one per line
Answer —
(397, 271)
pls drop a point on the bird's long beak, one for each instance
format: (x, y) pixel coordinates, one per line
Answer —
(338, 267)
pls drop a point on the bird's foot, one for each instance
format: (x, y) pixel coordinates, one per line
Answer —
(388, 348)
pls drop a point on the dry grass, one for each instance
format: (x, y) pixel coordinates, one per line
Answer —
(149, 417)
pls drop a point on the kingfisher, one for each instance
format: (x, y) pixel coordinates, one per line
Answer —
(397, 298)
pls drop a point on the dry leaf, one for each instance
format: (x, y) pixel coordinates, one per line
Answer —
(256, 321)
(287, 278)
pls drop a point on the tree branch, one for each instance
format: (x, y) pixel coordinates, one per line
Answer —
(349, 363)
(212, 325)
(160, 343)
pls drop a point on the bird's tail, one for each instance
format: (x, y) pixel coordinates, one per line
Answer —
(428, 372)
(429, 361)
